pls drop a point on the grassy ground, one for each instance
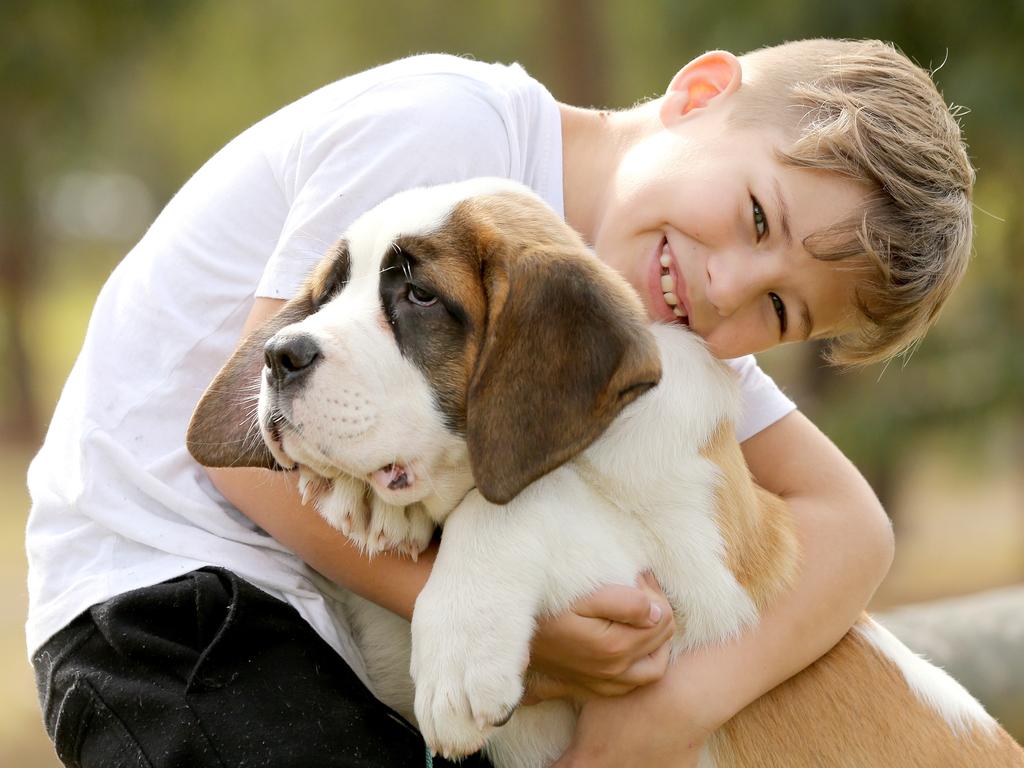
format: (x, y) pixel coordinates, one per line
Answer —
(23, 742)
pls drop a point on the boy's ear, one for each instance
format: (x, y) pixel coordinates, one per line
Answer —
(712, 74)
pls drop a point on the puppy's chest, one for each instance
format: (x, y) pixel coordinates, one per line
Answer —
(657, 509)
(669, 527)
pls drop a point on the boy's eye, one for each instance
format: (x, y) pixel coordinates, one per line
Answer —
(760, 221)
(780, 311)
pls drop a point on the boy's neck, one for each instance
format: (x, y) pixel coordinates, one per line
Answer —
(593, 143)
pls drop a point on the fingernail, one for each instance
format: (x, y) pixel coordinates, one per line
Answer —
(655, 613)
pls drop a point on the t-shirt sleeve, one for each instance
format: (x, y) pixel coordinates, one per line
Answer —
(763, 402)
(410, 132)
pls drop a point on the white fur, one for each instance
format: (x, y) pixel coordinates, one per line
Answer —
(415, 211)
(929, 683)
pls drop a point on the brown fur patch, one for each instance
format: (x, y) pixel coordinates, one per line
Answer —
(853, 709)
(564, 348)
(761, 546)
(330, 275)
(223, 431)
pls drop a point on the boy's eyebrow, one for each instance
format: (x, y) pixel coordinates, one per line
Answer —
(780, 206)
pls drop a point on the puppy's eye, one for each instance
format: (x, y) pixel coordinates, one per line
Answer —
(420, 297)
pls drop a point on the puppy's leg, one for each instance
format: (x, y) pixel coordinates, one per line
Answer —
(498, 569)
(472, 625)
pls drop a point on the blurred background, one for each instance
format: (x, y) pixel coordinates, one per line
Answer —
(110, 106)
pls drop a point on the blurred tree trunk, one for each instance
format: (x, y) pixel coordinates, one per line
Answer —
(578, 44)
(17, 254)
(979, 640)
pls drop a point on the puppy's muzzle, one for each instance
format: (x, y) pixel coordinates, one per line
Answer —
(290, 359)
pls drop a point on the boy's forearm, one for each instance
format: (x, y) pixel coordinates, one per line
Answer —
(271, 500)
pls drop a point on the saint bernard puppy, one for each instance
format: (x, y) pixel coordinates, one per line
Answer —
(461, 358)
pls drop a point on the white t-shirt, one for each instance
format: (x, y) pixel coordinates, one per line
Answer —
(117, 502)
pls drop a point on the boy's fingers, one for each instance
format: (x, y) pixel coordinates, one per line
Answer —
(647, 670)
(633, 645)
(541, 688)
(657, 640)
(623, 605)
(647, 581)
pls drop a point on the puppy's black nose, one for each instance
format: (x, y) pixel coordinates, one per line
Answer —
(290, 358)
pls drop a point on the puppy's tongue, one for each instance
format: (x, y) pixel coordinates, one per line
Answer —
(394, 476)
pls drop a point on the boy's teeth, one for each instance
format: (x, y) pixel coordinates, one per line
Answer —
(668, 285)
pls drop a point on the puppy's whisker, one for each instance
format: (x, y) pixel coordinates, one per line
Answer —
(430, 482)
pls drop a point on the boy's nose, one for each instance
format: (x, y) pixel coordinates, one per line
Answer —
(736, 279)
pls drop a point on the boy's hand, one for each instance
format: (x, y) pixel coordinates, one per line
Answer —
(653, 725)
(611, 642)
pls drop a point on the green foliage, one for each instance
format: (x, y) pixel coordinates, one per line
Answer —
(152, 89)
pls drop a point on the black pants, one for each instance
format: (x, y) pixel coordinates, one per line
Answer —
(208, 670)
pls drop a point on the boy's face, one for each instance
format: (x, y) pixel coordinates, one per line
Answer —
(706, 212)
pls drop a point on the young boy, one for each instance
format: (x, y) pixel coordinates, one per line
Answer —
(815, 190)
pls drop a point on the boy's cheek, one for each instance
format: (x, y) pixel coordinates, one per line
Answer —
(727, 341)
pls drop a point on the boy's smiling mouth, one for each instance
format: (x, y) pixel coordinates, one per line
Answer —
(669, 291)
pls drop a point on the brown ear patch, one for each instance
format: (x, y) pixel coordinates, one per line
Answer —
(566, 347)
(223, 431)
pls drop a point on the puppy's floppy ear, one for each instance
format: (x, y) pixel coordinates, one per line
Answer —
(223, 431)
(566, 348)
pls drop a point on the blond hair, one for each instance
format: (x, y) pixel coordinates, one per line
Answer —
(864, 110)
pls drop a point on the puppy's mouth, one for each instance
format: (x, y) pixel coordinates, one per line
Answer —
(275, 441)
(394, 477)
(396, 482)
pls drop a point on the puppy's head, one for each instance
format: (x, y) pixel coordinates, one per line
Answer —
(454, 319)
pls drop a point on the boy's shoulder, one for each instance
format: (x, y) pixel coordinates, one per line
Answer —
(430, 72)
(426, 92)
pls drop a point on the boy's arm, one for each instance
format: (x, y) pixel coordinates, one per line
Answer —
(846, 549)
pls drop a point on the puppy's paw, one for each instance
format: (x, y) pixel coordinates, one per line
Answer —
(420, 532)
(464, 689)
(457, 719)
(401, 529)
(341, 502)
